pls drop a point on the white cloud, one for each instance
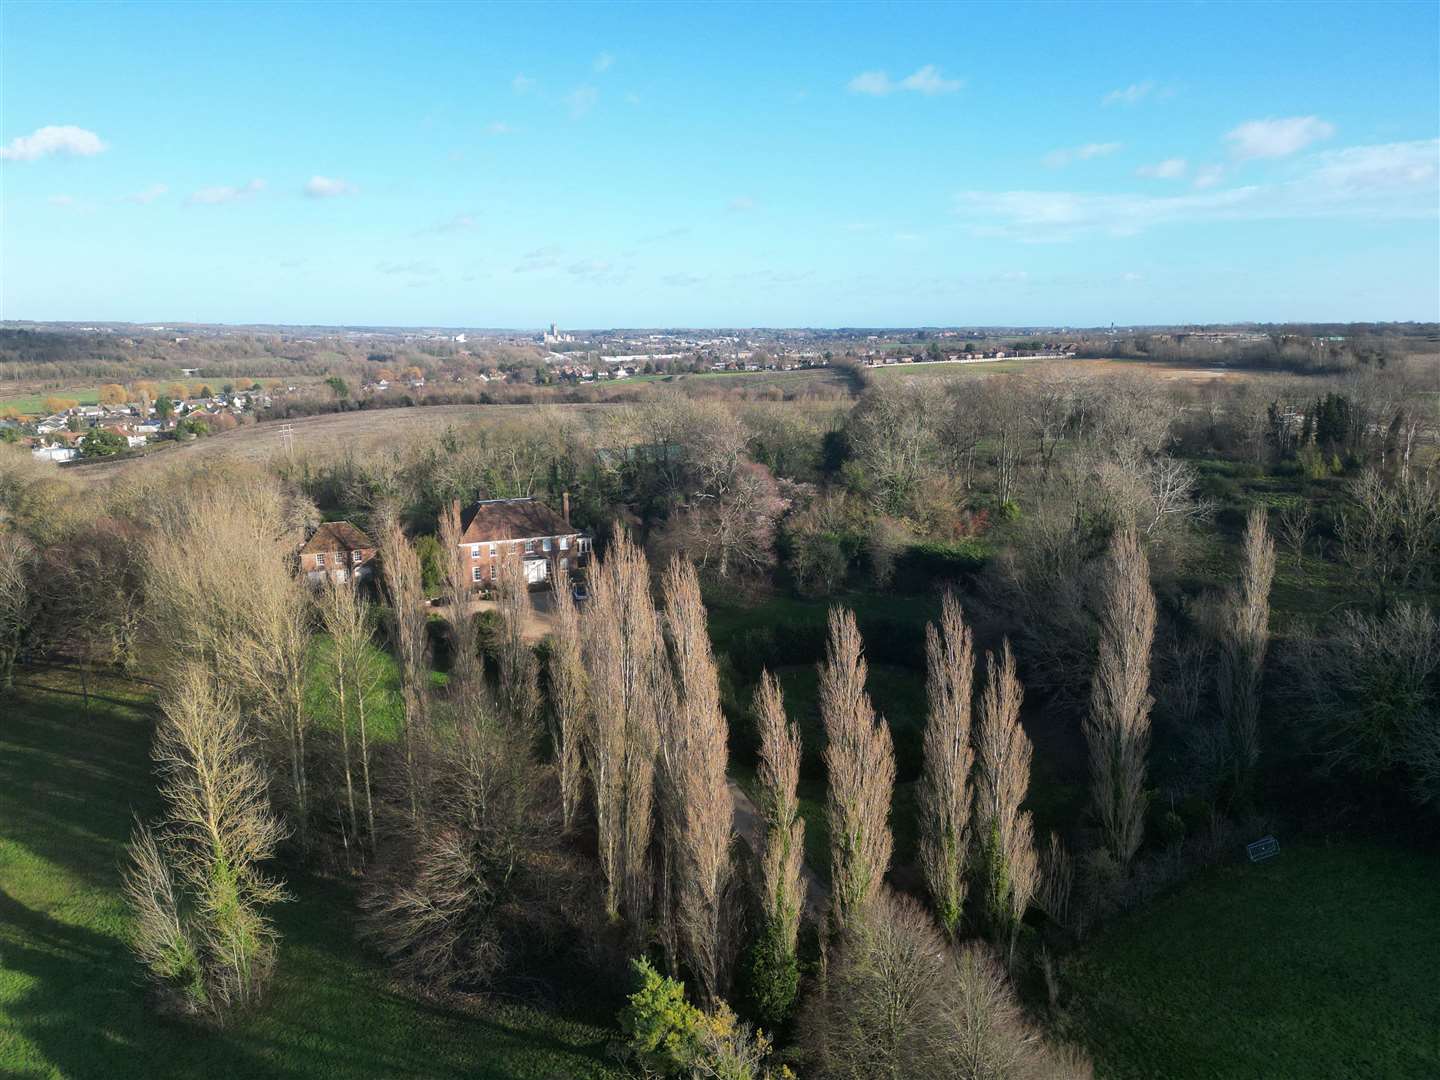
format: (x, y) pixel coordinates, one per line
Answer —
(683, 280)
(1277, 138)
(1169, 169)
(61, 200)
(149, 195)
(53, 139)
(1057, 159)
(522, 84)
(498, 127)
(458, 223)
(604, 62)
(1392, 181)
(214, 196)
(589, 268)
(1130, 95)
(328, 187)
(926, 80)
(740, 204)
(1132, 276)
(542, 258)
(581, 100)
(1207, 176)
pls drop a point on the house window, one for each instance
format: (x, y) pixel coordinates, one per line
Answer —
(545, 544)
(564, 543)
(476, 573)
(529, 547)
(474, 551)
(355, 556)
(494, 550)
(319, 560)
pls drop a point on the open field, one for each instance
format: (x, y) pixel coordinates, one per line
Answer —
(1319, 963)
(72, 1002)
(365, 430)
(941, 369)
(33, 404)
(798, 379)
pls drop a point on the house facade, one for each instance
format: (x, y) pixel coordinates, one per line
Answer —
(541, 537)
(337, 551)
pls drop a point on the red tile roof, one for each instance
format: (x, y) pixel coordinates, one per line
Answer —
(510, 519)
(337, 536)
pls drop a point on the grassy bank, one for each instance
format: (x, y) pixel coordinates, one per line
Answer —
(1319, 963)
(72, 1003)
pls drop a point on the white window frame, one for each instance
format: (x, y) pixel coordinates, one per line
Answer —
(474, 551)
(545, 544)
(319, 560)
(476, 573)
(356, 556)
(564, 543)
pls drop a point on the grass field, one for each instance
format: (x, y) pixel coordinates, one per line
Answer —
(1319, 963)
(72, 1003)
(34, 404)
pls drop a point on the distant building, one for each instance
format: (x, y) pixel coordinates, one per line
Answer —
(553, 336)
(338, 551)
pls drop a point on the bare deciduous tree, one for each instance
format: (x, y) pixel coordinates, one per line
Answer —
(569, 700)
(860, 761)
(519, 671)
(400, 567)
(1295, 528)
(15, 554)
(355, 676)
(782, 884)
(194, 882)
(1004, 834)
(1243, 645)
(945, 781)
(1117, 727)
(465, 666)
(624, 658)
(700, 814)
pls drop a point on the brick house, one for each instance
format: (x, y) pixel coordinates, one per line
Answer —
(339, 551)
(537, 533)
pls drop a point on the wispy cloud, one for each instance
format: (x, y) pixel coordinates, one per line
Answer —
(53, 139)
(926, 80)
(214, 196)
(1277, 138)
(61, 200)
(1207, 176)
(498, 127)
(1058, 159)
(603, 63)
(1391, 181)
(1170, 169)
(458, 223)
(328, 187)
(589, 268)
(542, 258)
(522, 84)
(411, 268)
(581, 100)
(682, 280)
(1129, 95)
(740, 204)
(149, 195)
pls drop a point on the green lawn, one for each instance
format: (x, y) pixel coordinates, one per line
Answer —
(72, 1003)
(1319, 963)
(34, 404)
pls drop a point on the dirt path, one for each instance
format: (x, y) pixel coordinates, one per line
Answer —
(748, 824)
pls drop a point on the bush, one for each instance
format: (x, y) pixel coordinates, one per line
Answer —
(771, 979)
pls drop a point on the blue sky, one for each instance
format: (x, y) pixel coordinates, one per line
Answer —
(674, 165)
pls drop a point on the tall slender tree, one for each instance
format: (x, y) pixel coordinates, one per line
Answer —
(1117, 727)
(355, 678)
(693, 752)
(860, 760)
(465, 666)
(945, 780)
(194, 882)
(569, 699)
(775, 971)
(1008, 864)
(1244, 642)
(625, 661)
(400, 569)
(519, 673)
